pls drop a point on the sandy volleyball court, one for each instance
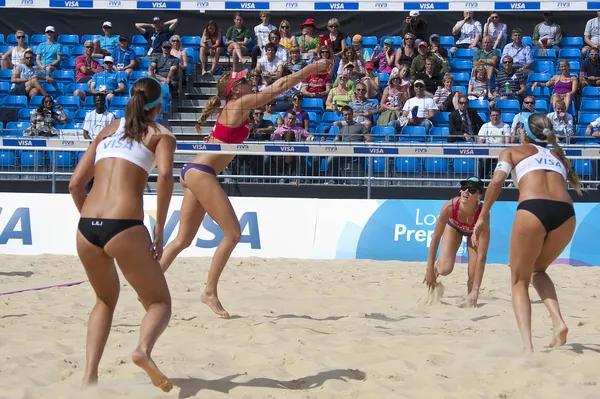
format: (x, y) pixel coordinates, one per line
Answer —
(302, 329)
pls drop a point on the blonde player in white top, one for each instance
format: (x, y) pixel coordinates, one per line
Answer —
(545, 219)
(111, 225)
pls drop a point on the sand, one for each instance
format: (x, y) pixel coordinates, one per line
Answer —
(302, 329)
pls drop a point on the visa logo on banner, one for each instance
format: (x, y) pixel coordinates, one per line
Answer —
(255, 5)
(18, 227)
(71, 4)
(427, 6)
(528, 5)
(169, 5)
(248, 220)
(336, 6)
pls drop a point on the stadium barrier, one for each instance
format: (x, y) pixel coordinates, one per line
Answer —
(301, 5)
(289, 228)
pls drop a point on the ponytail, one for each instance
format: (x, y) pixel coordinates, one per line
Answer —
(146, 95)
(572, 177)
(213, 105)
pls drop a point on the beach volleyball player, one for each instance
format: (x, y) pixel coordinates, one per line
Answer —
(544, 223)
(202, 191)
(111, 225)
(455, 221)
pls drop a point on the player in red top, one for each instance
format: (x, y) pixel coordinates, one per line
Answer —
(202, 191)
(456, 220)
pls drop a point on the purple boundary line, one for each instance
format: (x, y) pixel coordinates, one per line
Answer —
(43, 288)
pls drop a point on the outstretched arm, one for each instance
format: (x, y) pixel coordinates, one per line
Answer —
(435, 242)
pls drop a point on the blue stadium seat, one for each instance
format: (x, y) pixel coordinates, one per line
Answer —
(191, 41)
(313, 117)
(369, 42)
(7, 157)
(66, 51)
(408, 165)
(540, 92)
(464, 166)
(542, 106)
(464, 53)
(543, 66)
(69, 63)
(461, 65)
(138, 40)
(1, 38)
(4, 89)
(64, 77)
(28, 159)
(462, 79)
(383, 133)
(549, 54)
(587, 118)
(4, 48)
(80, 115)
(85, 38)
(15, 102)
(584, 168)
(590, 106)
(37, 38)
(508, 105)
(15, 128)
(69, 40)
(329, 117)
(480, 105)
(35, 102)
(54, 89)
(88, 104)
(118, 103)
(144, 63)
(574, 67)
(5, 75)
(380, 164)
(313, 104)
(461, 88)
(413, 133)
(396, 40)
(508, 118)
(570, 53)
(436, 165)
(135, 75)
(581, 136)
(25, 114)
(447, 41)
(571, 42)
(69, 102)
(527, 40)
(441, 119)
(139, 51)
(332, 133)
(539, 77)
(439, 134)
(77, 51)
(64, 159)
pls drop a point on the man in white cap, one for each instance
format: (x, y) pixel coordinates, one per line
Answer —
(105, 45)
(162, 33)
(108, 82)
(416, 25)
(49, 54)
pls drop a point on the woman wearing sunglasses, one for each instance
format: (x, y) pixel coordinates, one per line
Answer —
(544, 223)
(202, 191)
(457, 220)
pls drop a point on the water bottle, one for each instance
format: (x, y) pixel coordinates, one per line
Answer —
(507, 87)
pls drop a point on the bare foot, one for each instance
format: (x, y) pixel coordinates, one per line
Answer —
(89, 381)
(560, 336)
(527, 351)
(213, 302)
(158, 379)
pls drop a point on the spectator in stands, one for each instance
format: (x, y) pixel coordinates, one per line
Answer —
(515, 79)
(310, 42)
(260, 130)
(211, 44)
(547, 34)
(591, 34)
(282, 52)
(519, 52)
(362, 108)
(445, 97)
(236, 40)
(108, 82)
(496, 30)
(294, 61)
(350, 56)
(487, 57)
(371, 81)
(493, 132)
(418, 64)
(181, 54)
(405, 83)
(565, 84)
(256, 81)
(287, 39)
(290, 130)
(340, 95)
(386, 58)
(436, 49)
(318, 85)
(106, 44)
(270, 113)
(406, 53)
(479, 85)
(464, 123)
(26, 78)
(302, 117)
(528, 106)
(124, 56)
(335, 39)
(352, 75)
(43, 120)
(14, 55)
(85, 68)
(98, 118)
(49, 54)
(261, 32)
(270, 66)
(363, 54)
(592, 128)
(164, 67)
(590, 70)
(562, 121)
(392, 99)
(162, 33)
(468, 31)
(284, 100)
(415, 25)
(430, 77)
(418, 110)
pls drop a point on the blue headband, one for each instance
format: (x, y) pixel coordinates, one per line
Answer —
(163, 94)
(524, 119)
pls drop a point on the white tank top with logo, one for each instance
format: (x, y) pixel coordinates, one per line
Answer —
(542, 160)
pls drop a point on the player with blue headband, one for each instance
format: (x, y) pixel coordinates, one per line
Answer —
(545, 220)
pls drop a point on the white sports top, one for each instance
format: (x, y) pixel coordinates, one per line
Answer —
(116, 146)
(543, 160)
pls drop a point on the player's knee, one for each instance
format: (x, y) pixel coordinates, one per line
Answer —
(233, 234)
(444, 268)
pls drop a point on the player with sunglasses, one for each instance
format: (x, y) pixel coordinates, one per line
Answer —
(202, 192)
(455, 221)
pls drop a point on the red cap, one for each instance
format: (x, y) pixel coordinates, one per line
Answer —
(370, 65)
(235, 77)
(309, 21)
